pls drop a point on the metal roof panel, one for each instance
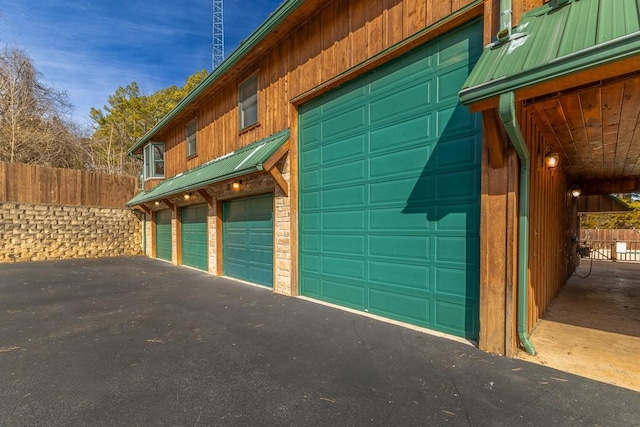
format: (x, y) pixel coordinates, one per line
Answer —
(554, 40)
(246, 160)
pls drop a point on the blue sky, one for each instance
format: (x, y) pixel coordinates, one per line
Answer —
(89, 48)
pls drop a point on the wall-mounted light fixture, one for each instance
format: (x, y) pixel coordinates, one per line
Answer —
(187, 196)
(157, 203)
(575, 190)
(551, 158)
(236, 185)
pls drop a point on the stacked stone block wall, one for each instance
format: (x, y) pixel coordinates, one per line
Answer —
(36, 232)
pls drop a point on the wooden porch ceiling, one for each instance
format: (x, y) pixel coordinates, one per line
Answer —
(595, 129)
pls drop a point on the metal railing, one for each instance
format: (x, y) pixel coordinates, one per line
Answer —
(613, 250)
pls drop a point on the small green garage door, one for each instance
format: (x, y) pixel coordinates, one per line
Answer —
(163, 235)
(195, 249)
(390, 190)
(248, 239)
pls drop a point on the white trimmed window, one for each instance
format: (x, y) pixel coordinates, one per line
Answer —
(191, 138)
(154, 160)
(248, 102)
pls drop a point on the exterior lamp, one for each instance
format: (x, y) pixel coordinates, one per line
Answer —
(187, 196)
(551, 160)
(157, 203)
(575, 191)
(236, 185)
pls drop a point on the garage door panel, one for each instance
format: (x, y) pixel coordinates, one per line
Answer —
(343, 99)
(343, 244)
(447, 280)
(412, 309)
(343, 149)
(454, 122)
(402, 275)
(195, 247)
(416, 65)
(343, 267)
(393, 165)
(399, 247)
(343, 293)
(457, 185)
(344, 173)
(459, 217)
(402, 191)
(456, 154)
(400, 102)
(344, 197)
(346, 123)
(353, 220)
(311, 263)
(454, 318)
(409, 132)
(248, 239)
(396, 220)
(163, 235)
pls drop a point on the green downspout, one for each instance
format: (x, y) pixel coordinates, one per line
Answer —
(507, 112)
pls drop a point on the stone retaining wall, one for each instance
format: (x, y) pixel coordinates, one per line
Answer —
(51, 232)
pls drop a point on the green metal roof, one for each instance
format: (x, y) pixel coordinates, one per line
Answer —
(237, 163)
(556, 39)
(276, 18)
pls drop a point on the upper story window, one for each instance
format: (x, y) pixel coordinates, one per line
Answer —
(191, 138)
(248, 102)
(154, 160)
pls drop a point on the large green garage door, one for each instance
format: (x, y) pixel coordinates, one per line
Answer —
(195, 249)
(247, 236)
(390, 190)
(163, 234)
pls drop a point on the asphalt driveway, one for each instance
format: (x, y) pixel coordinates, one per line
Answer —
(134, 341)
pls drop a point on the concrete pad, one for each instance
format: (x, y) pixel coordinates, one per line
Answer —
(134, 341)
(592, 327)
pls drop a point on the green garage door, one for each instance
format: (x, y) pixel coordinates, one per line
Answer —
(247, 236)
(195, 249)
(390, 190)
(163, 235)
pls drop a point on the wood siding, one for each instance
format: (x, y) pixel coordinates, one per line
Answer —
(333, 40)
(25, 183)
(551, 225)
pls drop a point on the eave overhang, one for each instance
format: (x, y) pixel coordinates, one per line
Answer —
(554, 41)
(252, 158)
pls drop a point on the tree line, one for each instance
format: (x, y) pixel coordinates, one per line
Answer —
(35, 128)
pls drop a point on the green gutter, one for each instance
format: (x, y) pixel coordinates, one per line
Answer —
(275, 19)
(507, 110)
(600, 54)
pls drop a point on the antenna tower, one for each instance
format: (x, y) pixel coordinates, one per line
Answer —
(218, 35)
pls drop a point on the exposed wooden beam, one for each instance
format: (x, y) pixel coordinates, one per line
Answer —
(494, 138)
(567, 82)
(279, 179)
(275, 157)
(168, 203)
(206, 196)
(629, 184)
(145, 209)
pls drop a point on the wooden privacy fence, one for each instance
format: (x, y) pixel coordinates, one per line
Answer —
(609, 234)
(613, 245)
(24, 183)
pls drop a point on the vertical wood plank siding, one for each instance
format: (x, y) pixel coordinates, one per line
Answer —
(550, 226)
(334, 39)
(24, 183)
